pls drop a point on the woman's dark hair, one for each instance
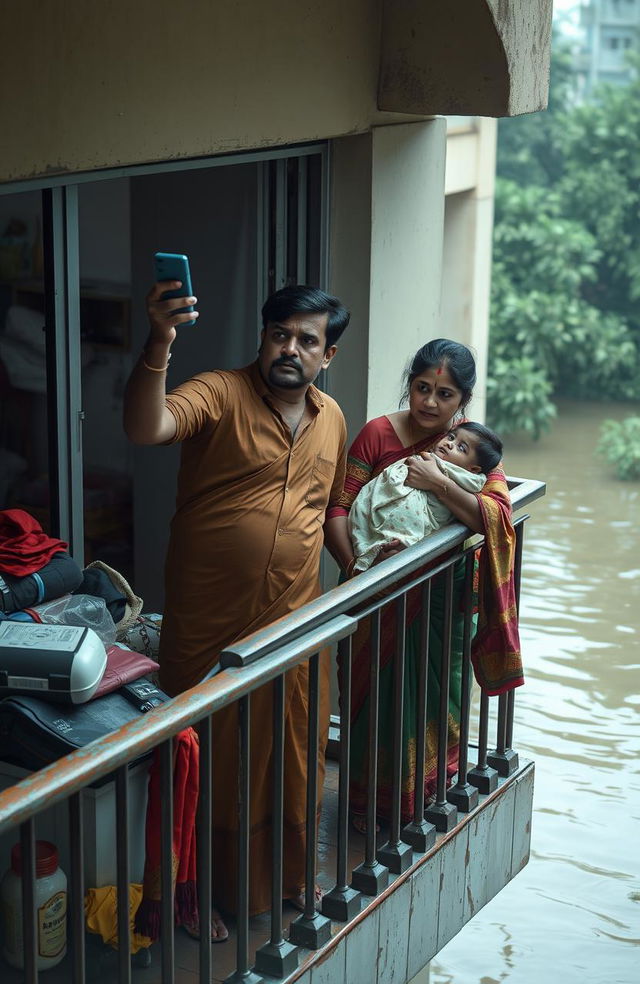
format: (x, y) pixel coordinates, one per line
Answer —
(452, 356)
(488, 448)
(300, 299)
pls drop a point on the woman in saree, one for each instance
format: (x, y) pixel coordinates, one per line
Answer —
(438, 386)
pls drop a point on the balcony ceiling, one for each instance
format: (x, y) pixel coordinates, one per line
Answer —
(470, 57)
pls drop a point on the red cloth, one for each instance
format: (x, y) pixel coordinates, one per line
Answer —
(123, 665)
(186, 755)
(495, 650)
(24, 547)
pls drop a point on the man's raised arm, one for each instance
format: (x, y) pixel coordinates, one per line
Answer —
(147, 420)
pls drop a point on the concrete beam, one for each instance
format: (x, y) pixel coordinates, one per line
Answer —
(478, 57)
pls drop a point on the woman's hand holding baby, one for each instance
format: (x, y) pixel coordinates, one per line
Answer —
(423, 472)
(388, 550)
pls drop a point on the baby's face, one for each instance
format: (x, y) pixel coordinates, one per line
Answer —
(459, 447)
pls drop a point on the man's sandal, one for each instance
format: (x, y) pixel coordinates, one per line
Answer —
(219, 932)
(359, 823)
(298, 901)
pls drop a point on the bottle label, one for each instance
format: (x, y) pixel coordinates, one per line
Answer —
(52, 925)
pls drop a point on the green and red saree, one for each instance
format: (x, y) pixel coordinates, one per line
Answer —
(495, 650)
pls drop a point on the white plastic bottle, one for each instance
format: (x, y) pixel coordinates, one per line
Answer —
(50, 907)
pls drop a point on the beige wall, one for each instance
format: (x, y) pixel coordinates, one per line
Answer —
(90, 84)
(101, 83)
(480, 57)
(387, 213)
(411, 263)
(406, 252)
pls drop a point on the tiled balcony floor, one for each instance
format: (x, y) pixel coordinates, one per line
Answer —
(102, 959)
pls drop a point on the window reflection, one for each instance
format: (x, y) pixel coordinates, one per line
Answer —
(23, 379)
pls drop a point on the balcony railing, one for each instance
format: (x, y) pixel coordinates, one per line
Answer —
(259, 659)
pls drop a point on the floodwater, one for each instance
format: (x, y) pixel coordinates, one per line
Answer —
(573, 914)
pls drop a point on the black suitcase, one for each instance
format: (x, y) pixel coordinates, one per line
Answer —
(34, 732)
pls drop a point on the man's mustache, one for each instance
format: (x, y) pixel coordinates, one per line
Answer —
(283, 361)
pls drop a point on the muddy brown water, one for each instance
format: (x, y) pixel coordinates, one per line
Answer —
(573, 914)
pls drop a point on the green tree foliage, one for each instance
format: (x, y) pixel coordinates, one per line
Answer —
(619, 444)
(529, 150)
(600, 187)
(518, 390)
(565, 310)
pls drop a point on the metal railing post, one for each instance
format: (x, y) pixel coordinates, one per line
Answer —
(29, 930)
(203, 846)
(442, 814)
(504, 758)
(397, 854)
(122, 866)
(75, 913)
(242, 973)
(419, 832)
(371, 877)
(167, 888)
(311, 929)
(483, 777)
(278, 957)
(464, 795)
(343, 902)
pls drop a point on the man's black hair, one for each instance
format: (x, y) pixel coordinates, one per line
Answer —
(301, 299)
(488, 448)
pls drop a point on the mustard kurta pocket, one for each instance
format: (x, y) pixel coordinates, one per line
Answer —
(320, 483)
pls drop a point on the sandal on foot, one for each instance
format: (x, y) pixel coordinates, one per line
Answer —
(359, 823)
(298, 901)
(219, 932)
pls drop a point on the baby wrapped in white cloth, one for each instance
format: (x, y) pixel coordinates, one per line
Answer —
(387, 509)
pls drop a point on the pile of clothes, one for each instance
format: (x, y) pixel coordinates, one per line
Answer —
(40, 582)
(36, 568)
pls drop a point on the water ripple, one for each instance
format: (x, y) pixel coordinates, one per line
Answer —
(571, 912)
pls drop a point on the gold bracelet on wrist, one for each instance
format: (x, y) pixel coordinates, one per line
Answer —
(349, 568)
(154, 368)
(445, 488)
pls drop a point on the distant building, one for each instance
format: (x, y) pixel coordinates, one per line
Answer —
(611, 30)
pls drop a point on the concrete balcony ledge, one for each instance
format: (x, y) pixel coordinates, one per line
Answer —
(395, 933)
(478, 57)
(399, 931)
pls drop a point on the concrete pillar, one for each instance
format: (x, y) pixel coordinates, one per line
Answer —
(466, 278)
(406, 251)
(387, 219)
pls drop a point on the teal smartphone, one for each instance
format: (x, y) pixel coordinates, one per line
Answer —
(175, 266)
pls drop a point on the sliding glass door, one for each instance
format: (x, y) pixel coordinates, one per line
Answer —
(81, 265)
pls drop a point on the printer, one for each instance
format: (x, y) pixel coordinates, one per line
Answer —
(63, 663)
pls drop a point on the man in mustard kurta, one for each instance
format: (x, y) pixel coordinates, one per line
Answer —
(263, 455)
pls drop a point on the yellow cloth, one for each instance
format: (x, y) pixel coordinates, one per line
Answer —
(101, 915)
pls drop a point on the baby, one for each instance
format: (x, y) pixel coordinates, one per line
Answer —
(387, 509)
